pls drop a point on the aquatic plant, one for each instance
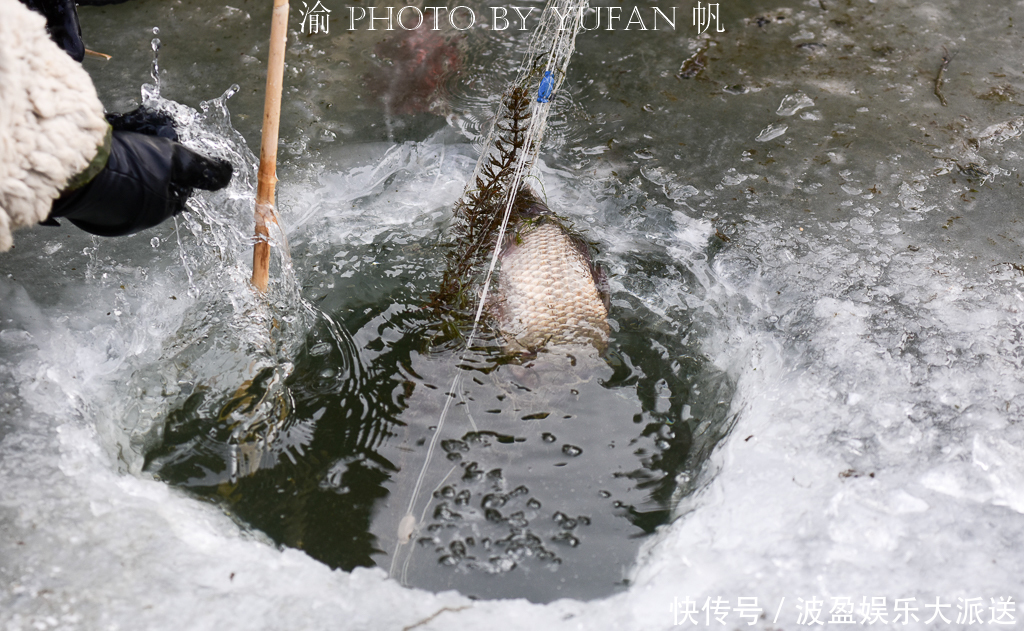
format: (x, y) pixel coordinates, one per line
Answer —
(478, 214)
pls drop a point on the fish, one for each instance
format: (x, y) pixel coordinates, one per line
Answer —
(549, 291)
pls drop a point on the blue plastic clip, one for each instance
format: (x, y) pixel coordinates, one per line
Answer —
(547, 86)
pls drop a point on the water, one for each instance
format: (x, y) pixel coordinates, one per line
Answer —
(321, 452)
(855, 331)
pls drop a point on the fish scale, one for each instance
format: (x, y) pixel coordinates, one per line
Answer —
(548, 291)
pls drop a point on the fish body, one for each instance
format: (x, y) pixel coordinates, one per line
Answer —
(549, 290)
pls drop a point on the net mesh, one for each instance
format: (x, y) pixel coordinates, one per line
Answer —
(539, 78)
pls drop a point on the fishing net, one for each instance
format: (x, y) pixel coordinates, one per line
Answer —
(509, 154)
(540, 75)
(507, 160)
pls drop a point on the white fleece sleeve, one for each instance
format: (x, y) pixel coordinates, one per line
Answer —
(51, 121)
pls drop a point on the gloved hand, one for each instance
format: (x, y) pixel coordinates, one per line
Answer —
(147, 180)
(61, 24)
(144, 121)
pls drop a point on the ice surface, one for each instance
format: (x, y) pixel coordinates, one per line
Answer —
(867, 305)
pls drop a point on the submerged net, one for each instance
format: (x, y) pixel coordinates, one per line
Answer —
(483, 214)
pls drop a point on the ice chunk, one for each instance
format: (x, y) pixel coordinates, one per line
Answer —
(793, 103)
(771, 132)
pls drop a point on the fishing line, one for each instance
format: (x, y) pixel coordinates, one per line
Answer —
(555, 38)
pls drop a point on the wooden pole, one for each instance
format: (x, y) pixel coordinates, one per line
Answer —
(96, 55)
(265, 213)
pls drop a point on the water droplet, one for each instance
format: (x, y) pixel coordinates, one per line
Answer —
(546, 555)
(155, 242)
(443, 513)
(453, 445)
(518, 520)
(494, 500)
(566, 539)
(473, 473)
(153, 91)
(156, 30)
(447, 492)
(533, 503)
(458, 549)
(571, 450)
(643, 154)
(548, 437)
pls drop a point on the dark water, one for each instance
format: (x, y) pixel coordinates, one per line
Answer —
(573, 457)
(551, 470)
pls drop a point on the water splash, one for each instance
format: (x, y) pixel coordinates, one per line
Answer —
(152, 90)
(231, 338)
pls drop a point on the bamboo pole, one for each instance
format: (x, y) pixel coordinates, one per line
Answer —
(265, 213)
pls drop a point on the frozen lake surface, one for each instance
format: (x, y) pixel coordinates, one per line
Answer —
(816, 285)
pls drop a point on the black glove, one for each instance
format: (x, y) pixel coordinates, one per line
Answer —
(144, 121)
(147, 180)
(61, 24)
